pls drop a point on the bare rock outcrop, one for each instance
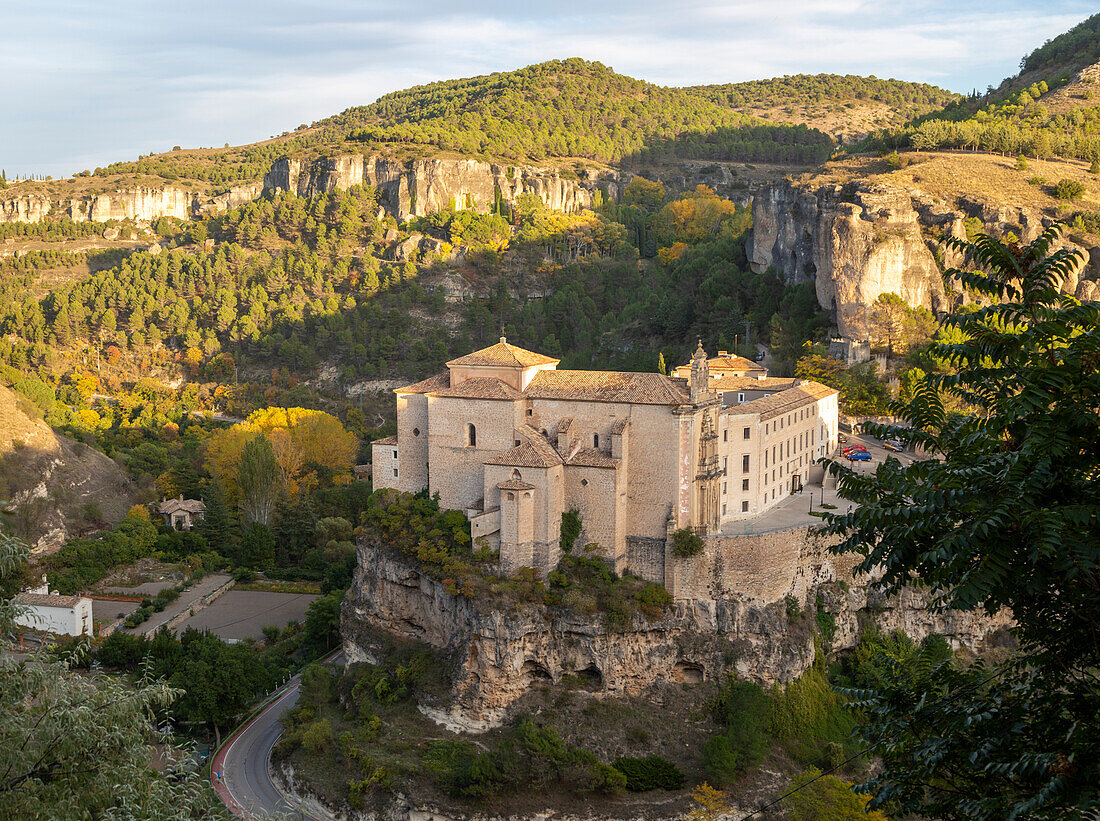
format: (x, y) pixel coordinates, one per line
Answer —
(425, 186)
(853, 242)
(500, 653)
(142, 203)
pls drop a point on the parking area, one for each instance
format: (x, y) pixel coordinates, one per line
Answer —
(797, 510)
(242, 614)
(106, 610)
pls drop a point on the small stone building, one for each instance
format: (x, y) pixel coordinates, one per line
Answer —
(514, 443)
(51, 613)
(182, 514)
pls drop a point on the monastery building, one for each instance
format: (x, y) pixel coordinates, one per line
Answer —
(514, 442)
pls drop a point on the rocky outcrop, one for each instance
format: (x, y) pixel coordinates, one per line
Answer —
(853, 242)
(423, 187)
(142, 204)
(500, 653)
(863, 239)
(47, 480)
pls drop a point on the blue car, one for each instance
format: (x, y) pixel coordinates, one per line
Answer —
(859, 456)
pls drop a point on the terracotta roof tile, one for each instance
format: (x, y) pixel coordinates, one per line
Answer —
(515, 484)
(503, 354)
(778, 383)
(786, 401)
(432, 383)
(608, 386)
(563, 425)
(592, 458)
(530, 454)
(620, 425)
(481, 387)
(46, 600)
(389, 440)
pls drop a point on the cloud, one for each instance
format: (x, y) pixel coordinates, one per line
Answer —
(87, 83)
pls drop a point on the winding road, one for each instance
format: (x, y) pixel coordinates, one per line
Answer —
(240, 770)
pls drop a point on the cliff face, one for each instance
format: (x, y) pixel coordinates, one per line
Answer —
(414, 189)
(503, 653)
(853, 244)
(141, 203)
(426, 186)
(860, 240)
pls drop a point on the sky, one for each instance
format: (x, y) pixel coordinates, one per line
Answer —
(88, 82)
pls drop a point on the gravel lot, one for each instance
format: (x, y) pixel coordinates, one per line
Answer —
(242, 614)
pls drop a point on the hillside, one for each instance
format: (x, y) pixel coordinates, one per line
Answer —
(50, 486)
(558, 112)
(846, 107)
(1050, 109)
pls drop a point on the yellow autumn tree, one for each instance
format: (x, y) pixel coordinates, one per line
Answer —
(302, 440)
(710, 803)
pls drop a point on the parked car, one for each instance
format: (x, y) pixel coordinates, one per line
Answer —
(859, 456)
(894, 445)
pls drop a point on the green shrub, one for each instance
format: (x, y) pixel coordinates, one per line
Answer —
(826, 622)
(1069, 190)
(808, 714)
(794, 609)
(1021, 164)
(570, 529)
(686, 543)
(649, 773)
(317, 736)
(745, 710)
(1037, 180)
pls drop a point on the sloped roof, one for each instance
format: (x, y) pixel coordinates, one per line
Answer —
(46, 600)
(389, 440)
(481, 387)
(187, 505)
(609, 386)
(620, 425)
(592, 458)
(536, 452)
(777, 404)
(515, 484)
(751, 383)
(728, 362)
(432, 383)
(505, 355)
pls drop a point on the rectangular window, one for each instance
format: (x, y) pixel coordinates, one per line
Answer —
(745, 463)
(395, 454)
(723, 510)
(745, 507)
(725, 436)
(725, 459)
(723, 488)
(744, 484)
(740, 398)
(395, 473)
(746, 434)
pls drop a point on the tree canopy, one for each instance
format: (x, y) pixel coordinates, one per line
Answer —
(1006, 514)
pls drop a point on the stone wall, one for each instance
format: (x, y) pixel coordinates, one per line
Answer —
(645, 558)
(767, 567)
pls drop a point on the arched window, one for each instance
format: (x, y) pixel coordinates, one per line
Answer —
(596, 440)
(516, 476)
(471, 435)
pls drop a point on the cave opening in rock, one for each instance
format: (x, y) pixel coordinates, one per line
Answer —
(590, 678)
(687, 673)
(534, 673)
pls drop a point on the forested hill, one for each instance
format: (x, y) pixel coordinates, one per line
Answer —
(575, 108)
(1050, 109)
(1076, 48)
(565, 110)
(844, 106)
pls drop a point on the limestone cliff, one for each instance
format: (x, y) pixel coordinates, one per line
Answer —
(861, 239)
(853, 242)
(502, 653)
(423, 187)
(141, 203)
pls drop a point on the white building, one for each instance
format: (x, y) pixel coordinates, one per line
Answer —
(63, 615)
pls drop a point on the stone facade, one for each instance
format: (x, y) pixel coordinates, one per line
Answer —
(514, 443)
